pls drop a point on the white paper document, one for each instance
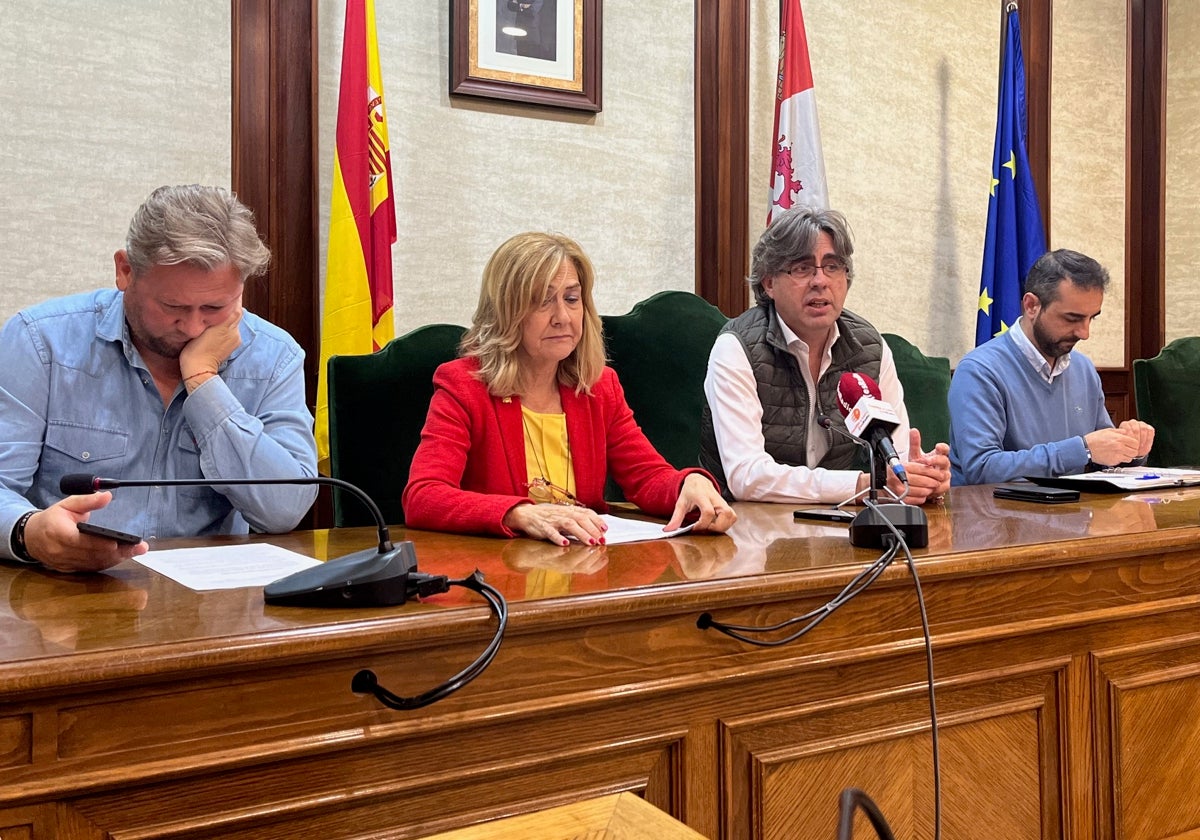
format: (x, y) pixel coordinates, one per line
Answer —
(226, 566)
(633, 530)
(1127, 478)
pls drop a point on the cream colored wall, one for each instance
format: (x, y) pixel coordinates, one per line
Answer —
(99, 104)
(96, 113)
(469, 173)
(1087, 153)
(1183, 170)
(907, 103)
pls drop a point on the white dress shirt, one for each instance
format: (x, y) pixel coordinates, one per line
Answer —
(751, 473)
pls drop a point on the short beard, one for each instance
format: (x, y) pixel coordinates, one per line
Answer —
(1049, 347)
(154, 345)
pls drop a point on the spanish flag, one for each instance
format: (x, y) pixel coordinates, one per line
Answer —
(357, 315)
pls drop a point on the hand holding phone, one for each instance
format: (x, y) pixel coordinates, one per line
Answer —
(108, 533)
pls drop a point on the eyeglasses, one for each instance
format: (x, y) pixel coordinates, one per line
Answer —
(547, 492)
(833, 269)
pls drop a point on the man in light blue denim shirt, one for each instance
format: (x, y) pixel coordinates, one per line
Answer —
(164, 377)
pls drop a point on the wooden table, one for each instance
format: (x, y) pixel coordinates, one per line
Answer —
(1067, 648)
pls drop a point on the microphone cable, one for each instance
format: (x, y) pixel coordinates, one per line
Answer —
(933, 718)
(366, 682)
(860, 582)
(853, 799)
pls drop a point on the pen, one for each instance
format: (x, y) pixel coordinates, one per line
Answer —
(1147, 476)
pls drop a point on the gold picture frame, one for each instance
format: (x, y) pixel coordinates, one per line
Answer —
(545, 52)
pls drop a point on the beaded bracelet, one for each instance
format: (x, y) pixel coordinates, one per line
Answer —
(17, 542)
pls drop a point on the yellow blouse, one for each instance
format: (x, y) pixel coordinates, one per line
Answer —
(548, 458)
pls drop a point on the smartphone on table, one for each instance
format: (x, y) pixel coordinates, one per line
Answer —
(824, 514)
(1035, 493)
(108, 533)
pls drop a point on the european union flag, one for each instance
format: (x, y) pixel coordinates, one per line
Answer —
(1015, 237)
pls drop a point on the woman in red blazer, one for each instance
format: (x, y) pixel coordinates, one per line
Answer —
(524, 429)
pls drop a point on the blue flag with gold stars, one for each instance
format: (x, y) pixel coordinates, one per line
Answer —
(1015, 237)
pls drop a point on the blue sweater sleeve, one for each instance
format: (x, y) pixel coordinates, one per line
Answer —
(981, 411)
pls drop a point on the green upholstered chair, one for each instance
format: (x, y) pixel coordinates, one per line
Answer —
(926, 381)
(1167, 388)
(377, 407)
(660, 352)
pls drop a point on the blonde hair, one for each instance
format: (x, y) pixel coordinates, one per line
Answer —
(515, 282)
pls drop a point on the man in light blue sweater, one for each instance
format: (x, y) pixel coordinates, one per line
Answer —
(1023, 404)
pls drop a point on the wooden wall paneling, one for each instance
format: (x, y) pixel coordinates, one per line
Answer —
(1036, 45)
(1147, 700)
(999, 753)
(1145, 220)
(706, 776)
(1118, 393)
(274, 100)
(1079, 780)
(274, 159)
(722, 153)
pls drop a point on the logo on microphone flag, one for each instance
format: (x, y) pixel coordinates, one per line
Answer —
(797, 164)
(1015, 237)
(357, 312)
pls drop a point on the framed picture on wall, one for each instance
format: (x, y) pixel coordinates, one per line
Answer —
(542, 51)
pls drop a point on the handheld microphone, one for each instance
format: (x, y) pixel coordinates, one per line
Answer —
(373, 577)
(872, 526)
(869, 417)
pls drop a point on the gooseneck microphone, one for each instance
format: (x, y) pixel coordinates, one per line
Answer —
(373, 577)
(869, 417)
(826, 423)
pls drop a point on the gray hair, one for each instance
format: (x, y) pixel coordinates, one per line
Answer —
(1053, 267)
(204, 226)
(791, 238)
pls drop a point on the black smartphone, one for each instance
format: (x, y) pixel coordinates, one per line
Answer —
(108, 533)
(1035, 493)
(824, 514)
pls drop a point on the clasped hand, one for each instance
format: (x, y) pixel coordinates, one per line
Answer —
(1109, 447)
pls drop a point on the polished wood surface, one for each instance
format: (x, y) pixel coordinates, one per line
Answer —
(1065, 643)
(620, 816)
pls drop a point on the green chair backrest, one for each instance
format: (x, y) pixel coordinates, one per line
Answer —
(377, 408)
(1167, 388)
(926, 381)
(660, 351)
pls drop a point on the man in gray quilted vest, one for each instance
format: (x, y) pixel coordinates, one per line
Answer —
(773, 376)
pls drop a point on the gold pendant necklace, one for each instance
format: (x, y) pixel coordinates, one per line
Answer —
(554, 493)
